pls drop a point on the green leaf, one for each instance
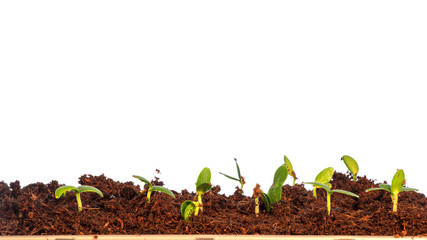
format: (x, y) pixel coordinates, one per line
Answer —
(290, 167)
(351, 164)
(238, 169)
(405, 189)
(204, 176)
(288, 164)
(280, 176)
(267, 201)
(275, 194)
(321, 185)
(204, 187)
(85, 188)
(385, 187)
(325, 175)
(163, 190)
(143, 180)
(61, 191)
(345, 192)
(397, 182)
(187, 208)
(230, 177)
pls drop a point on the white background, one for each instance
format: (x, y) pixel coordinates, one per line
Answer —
(125, 87)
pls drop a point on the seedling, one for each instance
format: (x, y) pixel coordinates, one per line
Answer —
(275, 192)
(329, 193)
(152, 188)
(203, 185)
(61, 191)
(257, 194)
(324, 177)
(240, 178)
(395, 188)
(290, 170)
(351, 165)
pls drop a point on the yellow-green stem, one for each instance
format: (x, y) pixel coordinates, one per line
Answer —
(354, 178)
(196, 211)
(256, 206)
(200, 201)
(241, 185)
(328, 198)
(79, 202)
(314, 192)
(148, 195)
(394, 200)
(293, 184)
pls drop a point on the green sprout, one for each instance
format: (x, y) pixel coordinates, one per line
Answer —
(61, 191)
(323, 177)
(329, 193)
(203, 185)
(290, 169)
(395, 188)
(152, 188)
(275, 192)
(240, 178)
(351, 165)
(257, 194)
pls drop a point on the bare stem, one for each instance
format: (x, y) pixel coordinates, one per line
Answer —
(79, 202)
(148, 195)
(256, 206)
(328, 199)
(199, 197)
(394, 199)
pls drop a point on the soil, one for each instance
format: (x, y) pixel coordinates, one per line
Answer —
(33, 210)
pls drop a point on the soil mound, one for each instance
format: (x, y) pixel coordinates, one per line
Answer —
(34, 210)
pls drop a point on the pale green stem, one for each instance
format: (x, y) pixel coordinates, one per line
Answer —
(79, 201)
(149, 195)
(293, 184)
(256, 206)
(200, 201)
(394, 200)
(328, 198)
(241, 185)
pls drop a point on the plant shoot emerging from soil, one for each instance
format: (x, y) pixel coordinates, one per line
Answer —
(351, 165)
(323, 177)
(257, 194)
(290, 169)
(240, 178)
(61, 191)
(275, 192)
(395, 188)
(203, 185)
(152, 188)
(329, 192)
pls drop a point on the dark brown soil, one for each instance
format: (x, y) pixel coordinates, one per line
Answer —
(33, 210)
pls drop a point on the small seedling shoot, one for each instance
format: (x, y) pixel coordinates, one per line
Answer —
(257, 194)
(275, 192)
(329, 192)
(395, 188)
(152, 188)
(203, 185)
(351, 165)
(61, 191)
(240, 178)
(290, 169)
(323, 177)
